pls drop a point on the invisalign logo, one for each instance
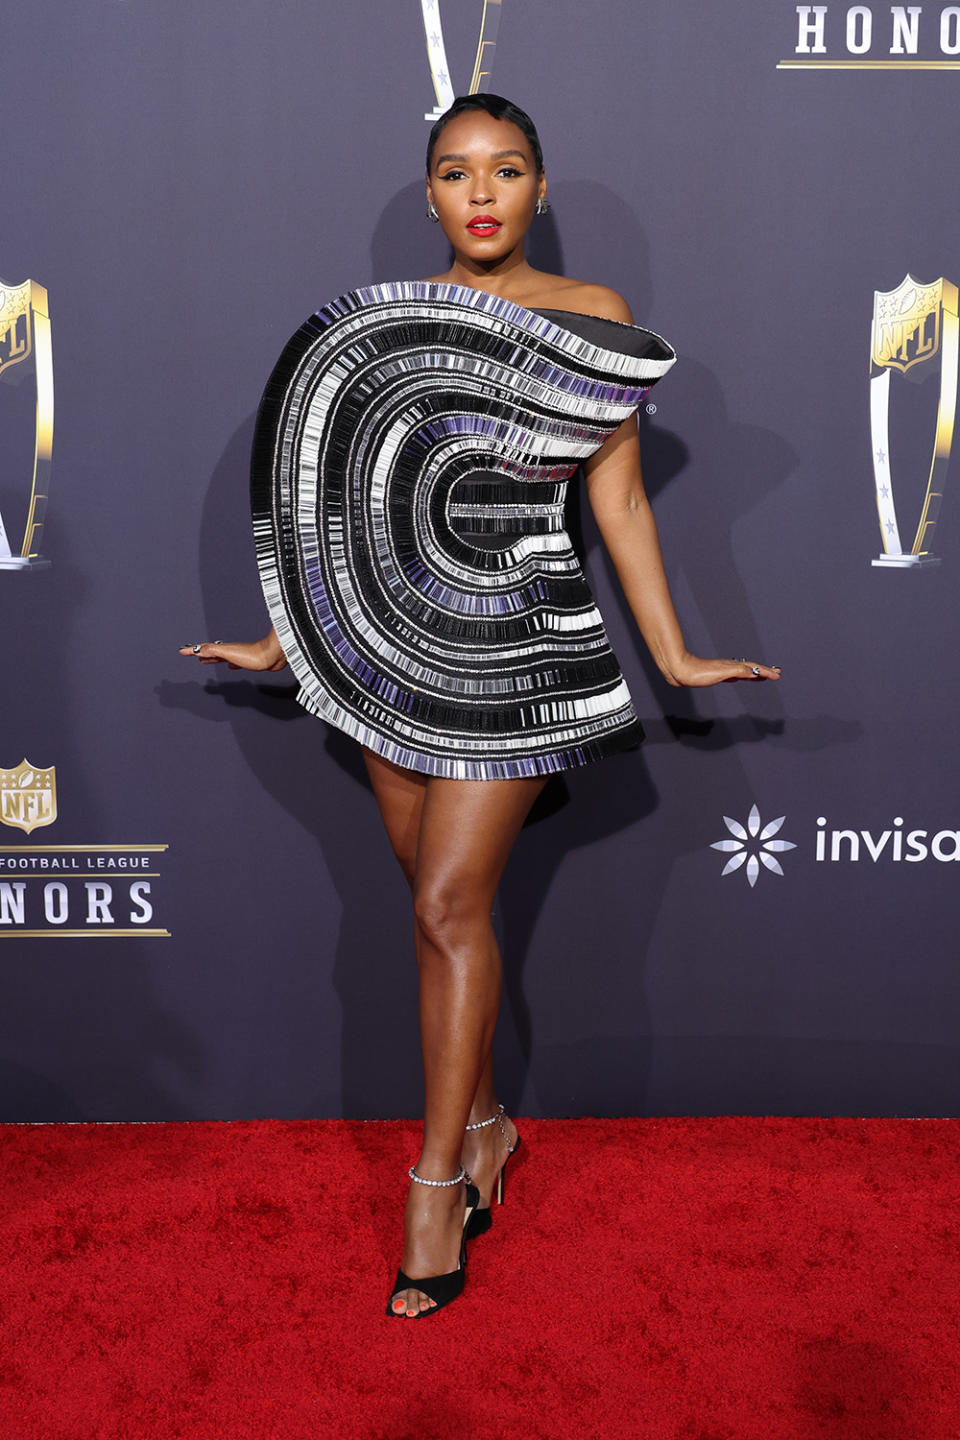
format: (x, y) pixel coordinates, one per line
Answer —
(753, 845)
(894, 844)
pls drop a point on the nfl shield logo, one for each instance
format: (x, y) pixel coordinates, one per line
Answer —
(28, 796)
(906, 324)
(15, 314)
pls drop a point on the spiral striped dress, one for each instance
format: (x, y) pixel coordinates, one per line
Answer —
(410, 463)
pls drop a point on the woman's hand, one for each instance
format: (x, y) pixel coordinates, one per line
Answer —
(264, 654)
(692, 670)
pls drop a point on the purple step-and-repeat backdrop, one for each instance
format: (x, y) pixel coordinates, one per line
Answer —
(199, 913)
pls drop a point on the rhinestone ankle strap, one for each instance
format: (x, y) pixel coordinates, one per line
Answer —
(461, 1175)
(480, 1124)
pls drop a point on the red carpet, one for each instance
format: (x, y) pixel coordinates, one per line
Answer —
(717, 1279)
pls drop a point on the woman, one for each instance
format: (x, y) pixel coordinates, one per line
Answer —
(455, 773)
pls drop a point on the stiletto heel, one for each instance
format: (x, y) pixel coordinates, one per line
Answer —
(481, 1219)
(440, 1288)
(503, 1171)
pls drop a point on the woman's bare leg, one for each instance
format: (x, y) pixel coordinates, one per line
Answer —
(400, 793)
(465, 831)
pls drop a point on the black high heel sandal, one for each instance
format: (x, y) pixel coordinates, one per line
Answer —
(480, 1219)
(440, 1288)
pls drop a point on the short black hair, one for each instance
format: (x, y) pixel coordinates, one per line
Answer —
(500, 109)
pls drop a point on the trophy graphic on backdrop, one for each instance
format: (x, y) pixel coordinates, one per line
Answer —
(25, 332)
(911, 326)
(437, 53)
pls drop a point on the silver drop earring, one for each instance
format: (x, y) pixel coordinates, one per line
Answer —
(543, 205)
(432, 214)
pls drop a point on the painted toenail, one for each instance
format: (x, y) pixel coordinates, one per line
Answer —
(398, 1304)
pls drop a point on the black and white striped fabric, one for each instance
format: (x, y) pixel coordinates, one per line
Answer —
(410, 465)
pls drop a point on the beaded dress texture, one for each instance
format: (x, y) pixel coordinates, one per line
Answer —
(410, 464)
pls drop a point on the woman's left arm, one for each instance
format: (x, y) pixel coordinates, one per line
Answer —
(625, 519)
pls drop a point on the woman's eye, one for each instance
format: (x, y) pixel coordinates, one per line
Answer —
(510, 171)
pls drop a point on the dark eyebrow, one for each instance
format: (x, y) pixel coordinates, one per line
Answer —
(497, 155)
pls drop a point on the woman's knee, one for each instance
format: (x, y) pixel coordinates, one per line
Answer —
(449, 909)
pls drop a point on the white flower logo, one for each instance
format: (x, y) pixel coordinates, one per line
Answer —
(741, 851)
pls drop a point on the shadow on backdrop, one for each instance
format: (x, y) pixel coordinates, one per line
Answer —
(103, 1042)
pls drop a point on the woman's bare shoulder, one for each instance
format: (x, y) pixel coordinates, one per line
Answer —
(559, 292)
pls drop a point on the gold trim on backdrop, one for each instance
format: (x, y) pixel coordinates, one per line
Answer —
(487, 42)
(25, 330)
(93, 933)
(868, 65)
(912, 324)
(86, 849)
(78, 874)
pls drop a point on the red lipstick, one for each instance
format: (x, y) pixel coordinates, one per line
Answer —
(484, 225)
